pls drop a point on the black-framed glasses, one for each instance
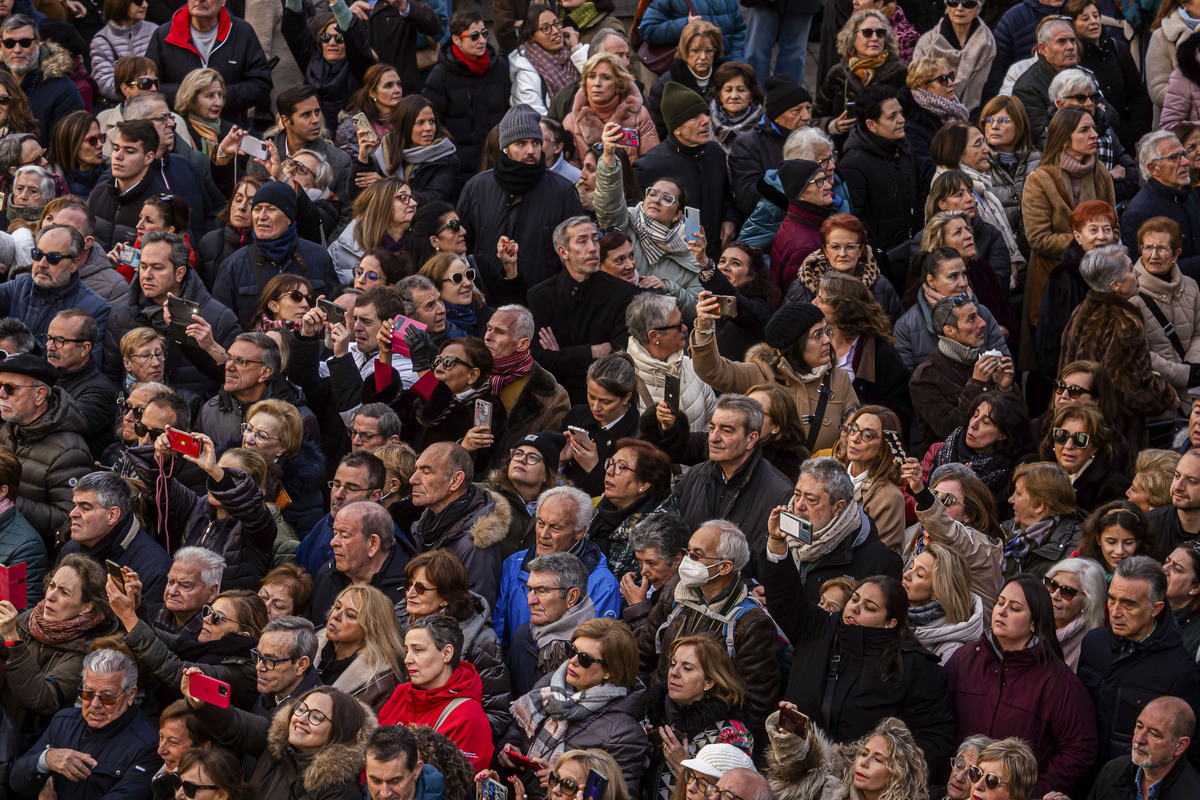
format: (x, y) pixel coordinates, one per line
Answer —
(990, 779)
(10, 389)
(586, 660)
(9, 44)
(457, 277)
(474, 36)
(454, 225)
(348, 488)
(369, 274)
(128, 408)
(297, 295)
(568, 787)
(945, 79)
(450, 362)
(97, 140)
(1061, 436)
(1074, 392)
(296, 166)
(1176, 157)
(524, 457)
(704, 783)
(336, 38)
(873, 33)
(547, 27)
(145, 84)
(142, 430)
(666, 198)
(416, 586)
(678, 326)
(52, 259)
(315, 716)
(59, 341)
(86, 696)
(1052, 586)
(364, 436)
(271, 663)
(190, 789)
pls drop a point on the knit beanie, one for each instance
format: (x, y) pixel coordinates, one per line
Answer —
(795, 174)
(279, 195)
(791, 322)
(783, 93)
(520, 122)
(549, 443)
(679, 104)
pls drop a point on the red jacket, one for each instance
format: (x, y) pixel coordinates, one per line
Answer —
(467, 725)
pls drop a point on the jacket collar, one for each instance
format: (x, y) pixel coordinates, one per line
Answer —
(180, 33)
(1160, 189)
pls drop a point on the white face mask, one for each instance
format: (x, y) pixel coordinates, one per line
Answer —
(692, 573)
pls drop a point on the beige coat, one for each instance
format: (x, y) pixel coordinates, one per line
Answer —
(1161, 59)
(1179, 298)
(884, 502)
(983, 554)
(970, 65)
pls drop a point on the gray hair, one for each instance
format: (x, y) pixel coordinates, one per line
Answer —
(110, 662)
(802, 143)
(646, 312)
(75, 251)
(1044, 36)
(583, 504)
(46, 177)
(562, 232)
(568, 571)
(1071, 81)
(523, 328)
(179, 249)
(138, 107)
(271, 359)
(1091, 583)
(1147, 151)
(444, 630)
(323, 174)
(19, 21)
(304, 635)
(413, 283)
(602, 36)
(374, 520)
(1103, 266)
(389, 423)
(665, 533)
(211, 564)
(977, 742)
(950, 468)
(733, 546)
(832, 475)
(111, 490)
(751, 411)
(1145, 568)
(10, 148)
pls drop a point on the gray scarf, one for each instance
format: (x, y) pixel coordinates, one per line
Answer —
(826, 540)
(657, 240)
(561, 630)
(957, 351)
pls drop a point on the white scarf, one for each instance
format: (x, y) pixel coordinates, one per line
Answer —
(991, 210)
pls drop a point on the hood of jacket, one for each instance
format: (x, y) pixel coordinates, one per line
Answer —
(771, 189)
(464, 682)
(488, 518)
(802, 769)
(62, 416)
(53, 62)
(862, 139)
(333, 765)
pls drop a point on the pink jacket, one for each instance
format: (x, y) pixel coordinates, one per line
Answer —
(1182, 102)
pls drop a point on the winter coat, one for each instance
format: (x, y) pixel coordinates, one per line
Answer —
(1008, 186)
(1156, 199)
(816, 266)
(842, 86)
(1015, 35)
(1121, 84)
(1099, 483)
(1162, 56)
(437, 178)
(915, 340)
(664, 20)
(527, 84)
(970, 61)
(115, 41)
(861, 692)
(96, 399)
(1109, 329)
(334, 82)
(764, 364)
(1065, 289)
(266, 17)
(704, 177)
(1118, 779)
(48, 86)
(1046, 206)
(99, 276)
(474, 537)
(469, 105)
(696, 398)
(943, 393)
(1033, 90)
(304, 481)
(117, 212)
(1182, 100)
(1123, 676)
(540, 405)
(371, 687)
(1178, 298)
(1030, 694)
(884, 190)
(880, 377)
(884, 503)
(329, 582)
(466, 725)
(282, 773)
(1057, 545)
(751, 155)
(703, 722)
(755, 304)
(36, 307)
(21, 544)
(803, 769)
(983, 554)
(54, 456)
(586, 126)
(125, 751)
(221, 417)
(164, 656)
(394, 38)
(237, 54)
(681, 74)
(214, 248)
(799, 237)
(238, 286)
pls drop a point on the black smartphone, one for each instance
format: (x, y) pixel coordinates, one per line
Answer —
(333, 312)
(114, 572)
(671, 392)
(182, 312)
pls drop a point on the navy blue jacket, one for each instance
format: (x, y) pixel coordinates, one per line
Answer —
(389, 580)
(130, 546)
(35, 306)
(1156, 199)
(238, 288)
(182, 179)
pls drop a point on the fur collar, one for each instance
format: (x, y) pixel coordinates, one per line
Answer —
(54, 61)
(802, 769)
(336, 764)
(816, 266)
(491, 526)
(591, 126)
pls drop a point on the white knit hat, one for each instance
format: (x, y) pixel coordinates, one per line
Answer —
(715, 760)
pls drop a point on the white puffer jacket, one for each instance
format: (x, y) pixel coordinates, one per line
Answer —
(696, 398)
(115, 41)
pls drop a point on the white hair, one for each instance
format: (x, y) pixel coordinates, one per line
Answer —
(1147, 151)
(583, 504)
(211, 564)
(802, 143)
(1071, 81)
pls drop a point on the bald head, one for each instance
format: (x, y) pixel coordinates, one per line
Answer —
(443, 473)
(1183, 719)
(746, 784)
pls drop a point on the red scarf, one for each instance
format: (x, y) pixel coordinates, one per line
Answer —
(507, 370)
(477, 65)
(59, 632)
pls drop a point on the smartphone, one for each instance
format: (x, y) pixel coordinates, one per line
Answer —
(131, 255)
(182, 312)
(114, 572)
(399, 326)
(579, 435)
(492, 789)
(896, 445)
(630, 137)
(796, 527)
(483, 414)
(255, 148)
(691, 222)
(793, 722)
(184, 443)
(333, 312)
(671, 392)
(523, 762)
(727, 305)
(595, 787)
(361, 123)
(210, 690)
(850, 108)
(14, 586)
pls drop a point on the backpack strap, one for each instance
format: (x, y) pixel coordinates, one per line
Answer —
(1168, 328)
(448, 710)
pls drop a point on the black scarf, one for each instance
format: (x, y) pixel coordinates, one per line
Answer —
(515, 177)
(434, 526)
(820, 212)
(235, 645)
(690, 720)
(608, 517)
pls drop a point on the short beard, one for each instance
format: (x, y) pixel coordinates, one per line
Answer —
(21, 71)
(1146, 761)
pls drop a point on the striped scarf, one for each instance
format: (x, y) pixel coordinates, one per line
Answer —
(546, 714)
(507, 370)
(656, 239)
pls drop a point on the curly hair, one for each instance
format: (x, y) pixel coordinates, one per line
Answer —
(1093, 423)
(855, 311)
(845, 37)
(907, 773)
(446, 757)
(20, 119)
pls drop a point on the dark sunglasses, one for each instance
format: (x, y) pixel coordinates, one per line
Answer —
(946, 79)
(568, 787)
(10, 389)
(1061, 436)
(474, 35)
(990, 779)
(97, 140)
(586, 660)
(51, 258)
(175, 783)
(873, 33)
(141, 430)
(145, 84)
(450, 362)
(417, 586)
(336, 38)
(454, 225)
(297, 295)
(129, 408)
(9, 44)
(1083, 98)
(457, 277)
(5, 100)
(963, 3)
(1052, 586)
(208, 612)
(108, 700)
(1073, 392)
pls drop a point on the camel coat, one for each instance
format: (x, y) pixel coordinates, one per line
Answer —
(1178, 297)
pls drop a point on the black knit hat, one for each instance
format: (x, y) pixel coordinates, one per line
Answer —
(792, 322)
(795, 174)
(679, 104)
(549, 443)
(783, 93)
(279, 195)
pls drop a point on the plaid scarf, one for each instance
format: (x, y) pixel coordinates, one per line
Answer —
(545, 714)
(1025, 542)
(507, 370)
(656, 239)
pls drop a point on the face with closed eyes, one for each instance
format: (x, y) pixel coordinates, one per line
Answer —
(868, 607)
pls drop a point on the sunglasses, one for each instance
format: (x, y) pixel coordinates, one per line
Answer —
(1060, 436)
(141, 430)
(568, 787)
(145, 84)
(108, 700)
(963, 3)
(417, 586)
(97, 140)
(208, 612)
(297, 295)
(10, 389)
(457, 277)
(990, 779)
(336, 38)
(450, 362)
(51, 258)
(474, 35)
(370, 275)
(454, 225)
(1073, 392)
(946, 79)
(947, 499)
(190, 789)
(873, 33)
(1052, 586)
(9, 44)
(1083, 98)
(586, 660)
(5, 99)
(128, 408)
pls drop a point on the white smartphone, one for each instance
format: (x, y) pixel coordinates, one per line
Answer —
(255, 148)
(795, 527)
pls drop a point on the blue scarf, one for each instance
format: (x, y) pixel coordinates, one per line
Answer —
(278, 250)
(460, 321)
(1188, 19)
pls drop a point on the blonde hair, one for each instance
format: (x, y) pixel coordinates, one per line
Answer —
(138, 337)
(1156, 470)
(624, 78)
(695, 29)
(603, 763)
(193, 85)
(924, 70)
(373, 212)
(291, 426)
(951, 583)
(382, 649)
(845, 37)
(907, 772)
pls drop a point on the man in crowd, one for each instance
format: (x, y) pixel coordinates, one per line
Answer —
(787, 107)
(372, 425)
(95, 271)
(359, 476)
(422, 302)
(284, 662)
(1156, 763)
(44, 70)
(532, 397)
(193, 582)
(1166, 169)
(556, 592)
(116, 202)
(366, 552)
(1179, 522)
(70, 340)
(302, 124)
(1056, 50)
(395, 770)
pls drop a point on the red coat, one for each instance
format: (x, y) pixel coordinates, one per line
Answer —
(467, 725)
(799, 235)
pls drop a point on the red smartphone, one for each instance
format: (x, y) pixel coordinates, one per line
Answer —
(523, 762)
(210, 690)
(14, 586)
(793, 722)
(399, 326)
(184, 443)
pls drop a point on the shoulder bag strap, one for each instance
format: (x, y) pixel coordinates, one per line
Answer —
(448, 710)
(1168, 328)
(815, 420)
(644, 393)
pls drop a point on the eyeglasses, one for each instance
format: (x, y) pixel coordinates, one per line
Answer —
(616, 467)
(947, 499)
(364, 436)
(127, 408)
(663, 197)
(963, 3)
(1060, 436)
(296, 166)
(1176, 157)
(454, 225)
(1094, 97)
(349, 488)
(34, 160)
(145, 84)
(450, 362)
(821, 181)
(297, 295)
(416, 586)
(271, 663)
(1001, 120)
(522, 457)
(1073, 392)
(819, 334)
(476, 35)
(59, 341)
(1052, 586)
(97, 140)
(541, 592)
(844, 248)
(208, 612)
(568, 787)
(259, 436)
(141, 430)
(696, 51)
(873, 33)
(146, 358)
(9, 389)
(457, 277)
(108, 700)
(370, 275)
(51, 258)
(165, 119)
(959, 764)
(586, 660)
(407, 198)
(678, 326)
(704, 783)
(336, 38)
(866, 434)
(990, 779)
(241, 362)
(946, 79)
(9, 44)
(315, 717)
(546, 28)
(1156, 248)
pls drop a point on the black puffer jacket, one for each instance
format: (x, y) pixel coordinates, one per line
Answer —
(214, 248)
(469, 105)
(164, 656)
(117, 212)
(750, 157)
(239, 285)
(884, 191)
(96, 399)
(1116, 70)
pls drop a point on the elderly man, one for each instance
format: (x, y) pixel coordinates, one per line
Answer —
(284, 662)
(193, 582)
(1056, 50)
(1155, 765)
(658, 338)
(54, 284)
(563, 516)
(1167, 192)
(1137, 656)
(366, 552)
(70, 340)
(556, 594)
(532, 397)
(744, 784)
(43, 428)
(94, 269)
(423, 302)
(103, 750)
(43, 69)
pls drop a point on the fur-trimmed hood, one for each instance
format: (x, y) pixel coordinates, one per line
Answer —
(491, 526)
(335, 764)
(803, 769)
(816, 266)
(54, 61)
(591, 126)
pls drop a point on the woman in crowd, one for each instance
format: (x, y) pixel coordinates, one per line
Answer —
(436, 228)
(274, 429)
(332, 51)
(286, 590)
(569, 774)
(1170, 27)
(1078, 593)
(993, 438)
(132, 74)
(1086, 383)
(1012, 158)
(418, 151)
(379, 268)
(1079, 441)
(967, 46)
(1176, 296)
(383, 213)
(200, 101)
(1014, 682)
(1182, 567)
(283, 303)
(1114, 532)
(529, 470)
(15, 116)
(867, 45)
(665, 20)
(76, 152)
(1044, 527)
(178, 731)
(1068, 174)
(608, 94)
(126, 33)
(700, 51)
(844, 249)
(1153, 473)
(735, 102)
(379, 96)
(637, 482)
(400, 462)
(233, 235)
(944, 612)
(783, 436)
(312, 747)
(547, 58)
(443, 691)
(360, 649)
(657, 346)
(836, 593)
(741, 272)
(466, 312)
(929, 104)
(592, 700)
(872, 467)
(1109, 60)
(144, 357)
(610, 415)
(214, 767)
(959, 786)
(32, 189)
(660, 543)
(1011, 765)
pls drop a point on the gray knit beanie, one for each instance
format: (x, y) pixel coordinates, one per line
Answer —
(520, 122)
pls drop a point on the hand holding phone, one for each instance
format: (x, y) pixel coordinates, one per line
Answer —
(14, 585)
(255, 148)
(792, 721)
(896, 445)
(483, 414)
(691, 222)
(334, 313)
(796, 527)
(210, 690)
(596, 786)
(184, 443)
(671, 392)
(631, 138)
(524, 761)
(114, 572)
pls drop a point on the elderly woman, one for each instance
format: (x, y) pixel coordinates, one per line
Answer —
(592, 700)
(359, 648)
(958, 787)
(1154, 472)
(33, 188)
(126, 33)
(844, 250)
(636, 483)
(873, 470)
(657, 340)
(132, 74)
(275, 430)
(1012, 156)
(143, 356)
(1011, 766)
(1044, 527)
(867, 45)
(929, 103)
(735, 103)
(608, 93)
(547, 58)
(697, 57)
(1182, 567)
(418, 151)
(1106, 327)
(1168, 300)
(1114, 532)
(944, 611)
(659, 542)
(1069, 174)
(1078, 592)
(76, 152)
(665, 20)
(967, 46)
(809, 192)
(286, 590)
